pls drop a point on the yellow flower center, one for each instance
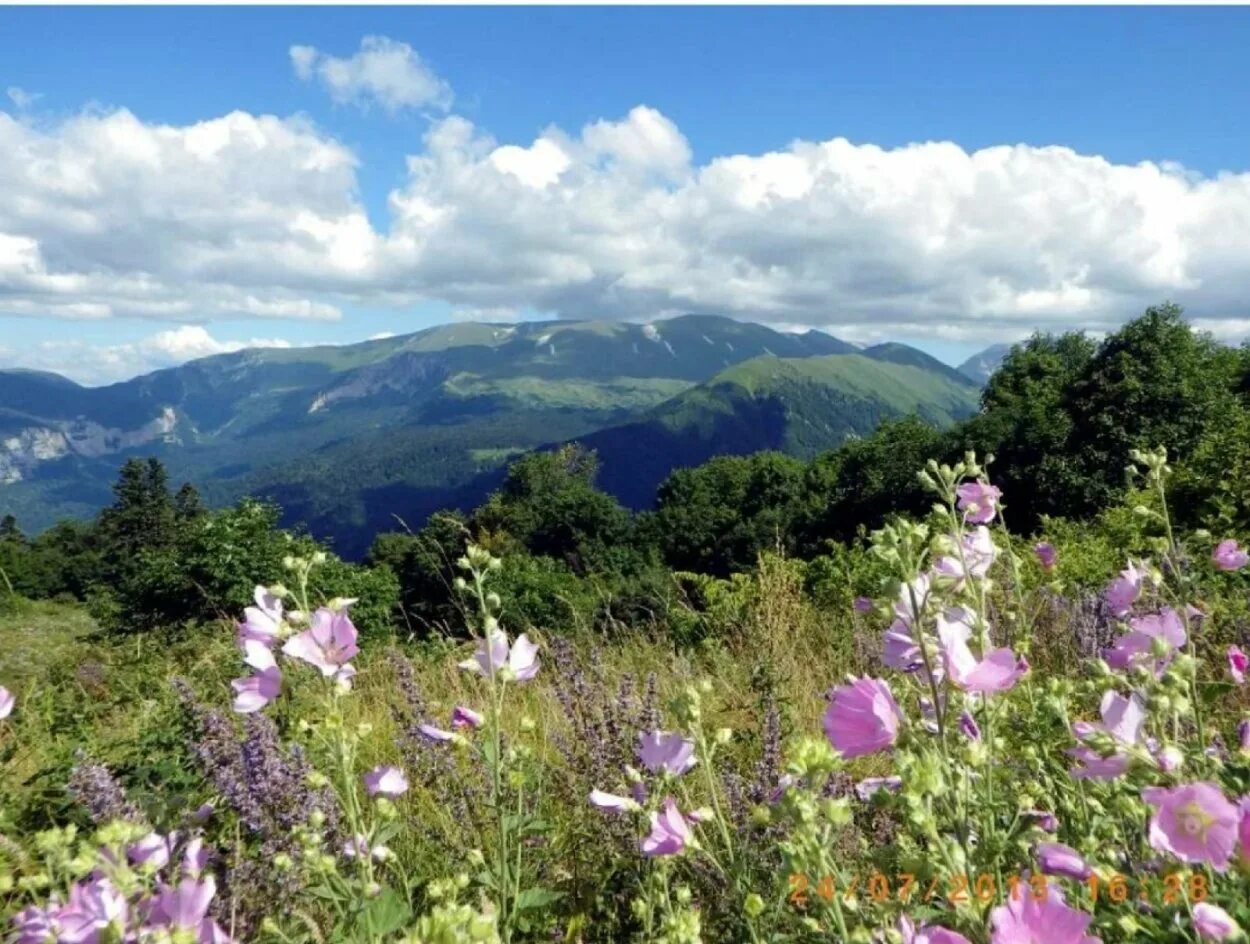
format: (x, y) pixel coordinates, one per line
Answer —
(1194, 820)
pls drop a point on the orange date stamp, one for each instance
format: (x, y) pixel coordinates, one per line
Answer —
(879, 888)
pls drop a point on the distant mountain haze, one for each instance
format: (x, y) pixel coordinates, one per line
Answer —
(349, 438)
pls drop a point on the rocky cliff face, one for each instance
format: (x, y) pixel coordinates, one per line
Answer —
(20, 452)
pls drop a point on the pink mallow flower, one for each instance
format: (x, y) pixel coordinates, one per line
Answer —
(927, 934)
(978, 501)
(975, 557)
(386, 781)
(1122, 719)
(462, 717)
(1046, 554)
(93, 908)
(1228, 555)
(262, 622)
(493, 656)
(1194, 822)
(1238, 664)
(612, 802)
(1151, 639)
(7, 701)
(185, 908)
(666, 752)
(329, 643)
(670, 832)
(1026, 920)
(1054, 858)
(1213, 923)
(1124, 590)
(152, 851)
(862, 718)
(998, 671)
(263, 686)
(1243, 832)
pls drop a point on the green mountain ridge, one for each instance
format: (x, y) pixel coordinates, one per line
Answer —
(798, 406)
(348, 437)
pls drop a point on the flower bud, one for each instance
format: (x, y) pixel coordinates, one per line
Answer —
(476, 859)
(753, 907)
(724, 735)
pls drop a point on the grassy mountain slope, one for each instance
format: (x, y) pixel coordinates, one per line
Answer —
(798, 406)
(346, 436)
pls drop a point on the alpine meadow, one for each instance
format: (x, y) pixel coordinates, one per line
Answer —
(717, 534)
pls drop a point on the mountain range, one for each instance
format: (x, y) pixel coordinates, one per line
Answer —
(349, 438)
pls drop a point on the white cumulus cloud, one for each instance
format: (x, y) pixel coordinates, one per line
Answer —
(383, 71)
(100, 364)
(22, 98)
(104, 215)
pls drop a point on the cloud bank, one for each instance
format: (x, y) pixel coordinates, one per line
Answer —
(101, 364)
(104, 215)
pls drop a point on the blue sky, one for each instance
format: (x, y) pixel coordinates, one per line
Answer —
(1165, 86)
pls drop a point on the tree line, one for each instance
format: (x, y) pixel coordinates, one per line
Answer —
(1060, 418)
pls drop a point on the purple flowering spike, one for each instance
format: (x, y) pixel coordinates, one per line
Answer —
(666, 752)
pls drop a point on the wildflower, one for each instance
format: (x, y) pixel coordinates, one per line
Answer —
(430, 732)
(1122, 592)
(968, 725)
(869, 786)
(186, 908)
(666, 752)
(612, 802)
(1054, 858)
(1194, 822)
(1238, 664)
(1044, 820)
(493, 654)
(1027, 920)
(1229, 556)
(1154, 637)
(978, 555)
(1243, 735)
(36, 925)
(328, 644)
(92, 909)
(978, 501)
(911, 600)
(670, 833)
(358, 848)
(256, 691)
(462, 717)
(1243, 831)
(1046, 554)
(386, 781)
(863, 605)
(901, 651)
(1213, 923)
(263, 622)
(195, 858)
(862, 718)
(7, 701)
(927, 934)
(151, 851)
(1122, 718)
(998, 671)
